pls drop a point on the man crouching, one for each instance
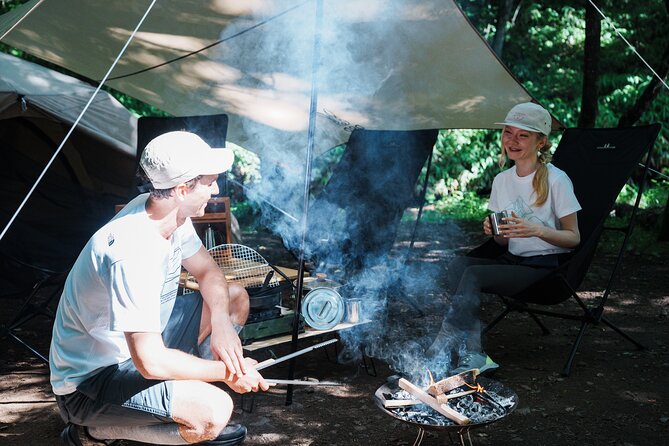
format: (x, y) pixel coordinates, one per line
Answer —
(131, 360)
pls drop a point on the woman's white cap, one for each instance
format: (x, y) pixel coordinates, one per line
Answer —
(529, 116)
(176, 157)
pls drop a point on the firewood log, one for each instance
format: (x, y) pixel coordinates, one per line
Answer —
(443, 409)
(453, 382)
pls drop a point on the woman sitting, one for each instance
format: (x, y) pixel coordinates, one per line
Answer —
(542, 224)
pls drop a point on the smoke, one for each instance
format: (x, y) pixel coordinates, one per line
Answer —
(353, 222)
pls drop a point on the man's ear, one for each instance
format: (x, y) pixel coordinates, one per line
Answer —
(181, 191)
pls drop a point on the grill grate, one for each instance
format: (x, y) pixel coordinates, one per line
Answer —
(242, 265)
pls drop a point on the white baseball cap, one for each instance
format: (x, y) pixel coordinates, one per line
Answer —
(176, 157)
(529, 116)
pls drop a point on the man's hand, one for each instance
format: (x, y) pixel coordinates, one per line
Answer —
(226, 346)
(249, 382)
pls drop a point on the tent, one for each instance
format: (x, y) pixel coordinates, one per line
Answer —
(94, 171)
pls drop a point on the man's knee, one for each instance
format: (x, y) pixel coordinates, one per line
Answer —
(204, 416)
(218, 416)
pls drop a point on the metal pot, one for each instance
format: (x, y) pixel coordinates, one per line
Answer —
(323, 308)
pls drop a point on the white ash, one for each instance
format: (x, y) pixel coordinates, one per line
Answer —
(479, 408)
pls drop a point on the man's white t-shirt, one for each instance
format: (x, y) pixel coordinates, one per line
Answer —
(514, 193)
(124, 280)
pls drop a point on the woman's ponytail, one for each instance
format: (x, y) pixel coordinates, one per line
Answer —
(540, 180)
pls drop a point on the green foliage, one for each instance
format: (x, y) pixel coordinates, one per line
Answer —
(463, 160)
(8, 5)
(463, 205)
(654, 197)
(323, 166)
(136, 106)
(245, 171)
(246, 213)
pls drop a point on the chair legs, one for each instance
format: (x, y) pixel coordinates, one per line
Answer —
(544, 330)
(30, 310)
(622, 333)
(566, 371)
(519, 307)
(495, 321)
(584, 324)
(589, 317)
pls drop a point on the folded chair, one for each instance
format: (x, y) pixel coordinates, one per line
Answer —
(36, 302)
(599, 163)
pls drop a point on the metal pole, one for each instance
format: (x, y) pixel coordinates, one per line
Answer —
(313, 106)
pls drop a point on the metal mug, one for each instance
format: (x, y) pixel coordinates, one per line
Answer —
(353, 311)
(496, 219)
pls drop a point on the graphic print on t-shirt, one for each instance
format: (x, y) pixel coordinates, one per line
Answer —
(171, 285)
(525, 211)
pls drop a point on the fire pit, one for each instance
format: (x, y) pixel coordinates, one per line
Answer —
(468, 407)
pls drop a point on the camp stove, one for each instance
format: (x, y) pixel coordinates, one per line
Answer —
(273, 322)
(468, 407)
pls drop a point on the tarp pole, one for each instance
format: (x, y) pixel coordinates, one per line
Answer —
(76, 122)
(313, 107)
(422, 202)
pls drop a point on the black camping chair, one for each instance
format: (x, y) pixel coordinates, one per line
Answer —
(599, 163)
(36, 302)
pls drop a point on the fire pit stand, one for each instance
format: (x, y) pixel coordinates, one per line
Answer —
(502, 398)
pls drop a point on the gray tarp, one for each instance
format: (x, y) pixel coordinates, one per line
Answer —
(385, 64)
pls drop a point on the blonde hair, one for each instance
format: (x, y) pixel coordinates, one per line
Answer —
(540, 180)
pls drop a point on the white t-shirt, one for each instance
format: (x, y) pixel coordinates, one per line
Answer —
(514, 193)
(124, 280)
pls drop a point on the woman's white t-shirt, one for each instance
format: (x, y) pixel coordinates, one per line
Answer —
(515, 193)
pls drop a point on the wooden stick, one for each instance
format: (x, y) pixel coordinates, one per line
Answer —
(390, 404)
(453, 382)
(444, 397)
(443, 409)
(441, 399)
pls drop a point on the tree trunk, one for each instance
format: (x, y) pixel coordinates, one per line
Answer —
(503, 16)
(644, 101)
(652, 89)
(590, 94)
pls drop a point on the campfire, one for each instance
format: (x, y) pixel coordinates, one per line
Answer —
(458, 403)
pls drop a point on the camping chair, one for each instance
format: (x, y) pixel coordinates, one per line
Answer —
(36, 302)
(599, 163)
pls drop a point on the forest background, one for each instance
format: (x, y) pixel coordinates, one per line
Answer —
(586, 69)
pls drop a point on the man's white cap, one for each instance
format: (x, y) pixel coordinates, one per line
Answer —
(529, 116)
(176, 157)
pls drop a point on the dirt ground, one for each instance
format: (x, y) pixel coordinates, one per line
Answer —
(616, 395)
